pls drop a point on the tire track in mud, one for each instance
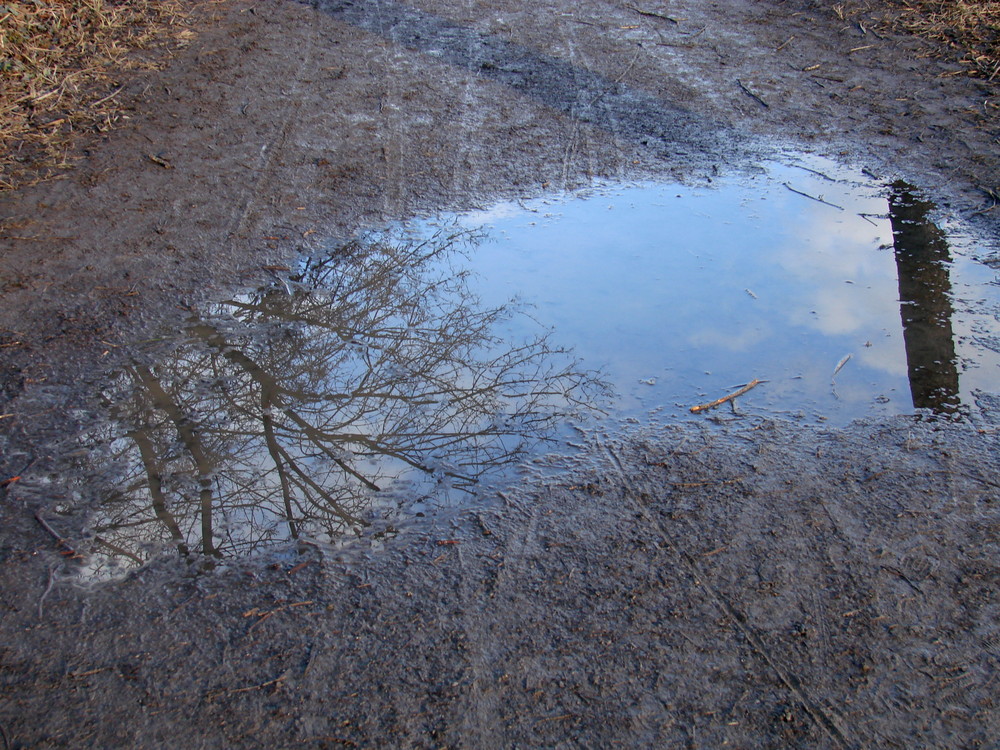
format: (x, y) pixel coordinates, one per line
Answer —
(265, 168)
(393, 115)
(479, 714)
(472, 120)
(550, 81)
(823, 717)
(577, 145)
(901, 559)
(481, 701)
(588, 103)
(581, 625)
(269, 152)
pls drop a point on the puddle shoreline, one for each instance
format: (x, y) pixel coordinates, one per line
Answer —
(380, 380)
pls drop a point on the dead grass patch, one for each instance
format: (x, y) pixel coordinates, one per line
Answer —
(966, 30)
(971, 28)
(63, 65)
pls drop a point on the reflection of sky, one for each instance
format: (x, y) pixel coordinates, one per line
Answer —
(703, 289)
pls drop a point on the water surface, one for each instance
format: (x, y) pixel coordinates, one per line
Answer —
(400, 370)
(835, 288)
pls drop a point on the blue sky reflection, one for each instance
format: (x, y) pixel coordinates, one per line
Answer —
(680, 293)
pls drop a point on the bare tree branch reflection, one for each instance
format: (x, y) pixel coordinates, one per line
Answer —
(285, 413)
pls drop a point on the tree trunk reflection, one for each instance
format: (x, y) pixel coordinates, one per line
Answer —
(922, 262)
(283, 414)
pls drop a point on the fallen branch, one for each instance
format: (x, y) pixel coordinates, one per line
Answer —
(719, 401)
(751, 94)
(651, 14)
(64, 547)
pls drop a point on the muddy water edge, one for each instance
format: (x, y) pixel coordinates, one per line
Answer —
(770, 586)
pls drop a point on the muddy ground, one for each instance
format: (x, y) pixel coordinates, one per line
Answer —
(757, 585)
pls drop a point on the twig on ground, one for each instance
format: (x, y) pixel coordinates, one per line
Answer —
(711, 483)
(275, 681)
(651, 14)
(751, 94)
(109, 97)
(65, 549)
(903, 577)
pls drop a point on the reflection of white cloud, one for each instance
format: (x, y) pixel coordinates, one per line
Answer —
(844, 309)
(843, 283)
(979, 364)
(728, 339)
(886, 354)
(487, 216)
(739, 278)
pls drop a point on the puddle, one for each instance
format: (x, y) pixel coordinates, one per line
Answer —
(837, 290)
(370, 380)
(396, 373)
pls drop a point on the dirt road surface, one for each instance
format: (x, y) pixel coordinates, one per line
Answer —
(756, 585)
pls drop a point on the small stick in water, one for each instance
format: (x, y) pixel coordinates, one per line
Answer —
(840, 366)
(712, 404)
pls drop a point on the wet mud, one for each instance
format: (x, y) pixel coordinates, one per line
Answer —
(750, 581)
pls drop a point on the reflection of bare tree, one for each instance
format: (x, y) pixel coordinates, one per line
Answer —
(922, 262)
(293, 409)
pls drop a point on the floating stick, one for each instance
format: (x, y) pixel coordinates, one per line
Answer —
(712, 404)
(840, 365)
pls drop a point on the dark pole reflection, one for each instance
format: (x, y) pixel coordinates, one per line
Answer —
(290, 412)
(922, 262)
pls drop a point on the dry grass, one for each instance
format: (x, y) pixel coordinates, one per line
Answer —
(966, 30)
(62, 67)
(970, 28)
